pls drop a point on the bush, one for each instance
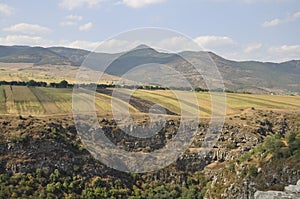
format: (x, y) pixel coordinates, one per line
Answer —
(273, 145)
(294, 145)
(97, 182)
(50, 188)
(277, 136)
(291, 137)
(253, 171)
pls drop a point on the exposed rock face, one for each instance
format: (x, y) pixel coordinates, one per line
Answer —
(290, 192)
(267, 177)
(293, 188)
(242, 179)
(30, 143)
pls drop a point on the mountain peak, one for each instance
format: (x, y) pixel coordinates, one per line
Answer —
(142, 46)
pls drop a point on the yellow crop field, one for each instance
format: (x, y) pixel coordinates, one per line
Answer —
(10, 104)
(51, 101)
(25, 101)
(2, 100)
(61, 97)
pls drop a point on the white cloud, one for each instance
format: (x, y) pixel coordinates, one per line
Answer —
(251, 1)
(271, 23)
(6, 10)
(68, 23)
(293, 17)
(296, 15)
(212, 42)
(74, 17)
(260, 52)
(262, 1)
(285, 52)
(25, 28)
(73, 4)
(86, 26)
(230, 49)
(116, 46)
(40, 41)
(275, 22)
(178, 44)
(252, 47)
(22, 40)
(71, 20)
(140, 3)
(88, 45)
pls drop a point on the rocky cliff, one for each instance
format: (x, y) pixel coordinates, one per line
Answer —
(254, 153)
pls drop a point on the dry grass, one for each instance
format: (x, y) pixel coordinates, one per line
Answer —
(105, 103)
(26, 102)
(61, 97)
(47, 103)
(10, 104)
(235, 103)
(48, 73)
(2, 101)
(39, 101)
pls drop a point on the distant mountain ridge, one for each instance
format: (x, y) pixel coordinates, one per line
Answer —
(41, 56)
(252, 76)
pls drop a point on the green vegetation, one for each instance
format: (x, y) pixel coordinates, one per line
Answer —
(277, 147)
(31, 83)
(42, 184)
(45, 182)
(262, 164)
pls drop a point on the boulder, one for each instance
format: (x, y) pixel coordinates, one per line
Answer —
(290, 192)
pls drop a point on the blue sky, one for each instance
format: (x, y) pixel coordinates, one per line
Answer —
(264, 30)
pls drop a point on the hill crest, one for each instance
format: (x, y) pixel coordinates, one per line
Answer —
(251, 76)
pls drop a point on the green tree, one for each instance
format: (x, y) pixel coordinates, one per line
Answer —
(63, 84)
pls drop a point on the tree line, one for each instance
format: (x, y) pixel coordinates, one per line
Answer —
(66, 84)
(62, 84)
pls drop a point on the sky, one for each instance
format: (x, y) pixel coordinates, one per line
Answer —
(261, 30)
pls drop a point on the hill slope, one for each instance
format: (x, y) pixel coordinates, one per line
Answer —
(252, 76)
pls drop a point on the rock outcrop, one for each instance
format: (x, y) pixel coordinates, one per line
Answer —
(290, 192)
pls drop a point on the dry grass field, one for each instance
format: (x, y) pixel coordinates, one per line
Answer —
(48, 73)
(2, 100)
(50, 101)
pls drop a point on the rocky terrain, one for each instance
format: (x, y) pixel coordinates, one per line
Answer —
(242, 162)
(290, 191)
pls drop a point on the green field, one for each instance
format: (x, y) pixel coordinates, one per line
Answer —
(50, 101)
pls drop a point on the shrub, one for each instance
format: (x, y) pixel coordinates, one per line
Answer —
(253, 171)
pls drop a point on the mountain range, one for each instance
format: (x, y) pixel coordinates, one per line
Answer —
(250, 76)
